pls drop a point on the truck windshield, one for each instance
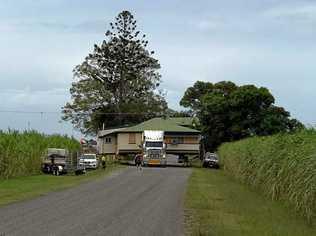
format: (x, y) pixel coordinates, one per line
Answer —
(89, 156)
(153, 144)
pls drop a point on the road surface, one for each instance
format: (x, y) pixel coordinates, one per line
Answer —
(129, 202)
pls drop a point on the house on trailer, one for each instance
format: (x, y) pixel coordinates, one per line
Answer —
(179, 137)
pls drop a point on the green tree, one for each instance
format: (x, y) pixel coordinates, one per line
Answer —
(192, 96)
(228, 112)
(117, 83)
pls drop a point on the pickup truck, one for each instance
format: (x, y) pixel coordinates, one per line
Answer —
(89, 160)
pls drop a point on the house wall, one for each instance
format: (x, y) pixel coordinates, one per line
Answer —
(179, 144)
(182, 139)
(105, 147)
(183, 148)
(129, 143)
(124, 144)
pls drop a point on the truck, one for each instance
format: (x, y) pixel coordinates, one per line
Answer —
(154, 148)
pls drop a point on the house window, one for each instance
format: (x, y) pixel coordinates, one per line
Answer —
(108, 140)
(176, 140)
(132, 138)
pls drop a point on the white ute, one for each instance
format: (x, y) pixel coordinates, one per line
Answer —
(89, 160)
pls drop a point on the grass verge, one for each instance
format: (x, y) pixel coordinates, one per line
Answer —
(22, 188)
(216, 204)
(281, 166)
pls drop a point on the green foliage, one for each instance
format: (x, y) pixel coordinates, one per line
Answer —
(21, 152)
(228, 112)
(282, 166)
(117, 83)
(193, 95)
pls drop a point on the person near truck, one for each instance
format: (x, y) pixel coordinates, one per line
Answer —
(139, 161)
(54, 167)
(103, 160)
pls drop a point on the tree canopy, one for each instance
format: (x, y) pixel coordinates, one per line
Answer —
(117, 84)
(228, 112)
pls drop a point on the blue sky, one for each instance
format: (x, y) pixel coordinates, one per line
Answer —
(268, 43)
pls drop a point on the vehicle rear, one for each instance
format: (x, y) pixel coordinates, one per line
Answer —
(55, 161)
(211, 160)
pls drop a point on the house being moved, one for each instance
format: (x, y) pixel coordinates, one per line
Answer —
(179, 138)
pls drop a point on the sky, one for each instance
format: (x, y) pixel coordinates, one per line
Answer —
(269, 43)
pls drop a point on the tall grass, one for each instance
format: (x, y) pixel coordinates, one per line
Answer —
(282, 166)
(21, 152)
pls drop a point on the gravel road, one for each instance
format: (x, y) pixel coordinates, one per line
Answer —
(129, 202)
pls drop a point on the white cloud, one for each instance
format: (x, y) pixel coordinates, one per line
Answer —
(263, 43)
(303, 13)
(208, 25)
(16, 99)
(29, 25)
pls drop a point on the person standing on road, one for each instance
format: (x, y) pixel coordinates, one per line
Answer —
(186, 160)
(139, 161)
(103, 162)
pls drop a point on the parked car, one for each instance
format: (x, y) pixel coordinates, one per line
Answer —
(89, 160)
(211, 160)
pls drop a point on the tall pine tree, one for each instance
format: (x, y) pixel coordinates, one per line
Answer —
(117, 83)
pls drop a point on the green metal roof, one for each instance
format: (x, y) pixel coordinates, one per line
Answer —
(167, 125)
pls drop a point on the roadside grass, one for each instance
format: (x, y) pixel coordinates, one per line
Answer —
(23, 188)
(281, 166)
(216, 204)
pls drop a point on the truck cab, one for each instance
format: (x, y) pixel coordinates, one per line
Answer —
(154, 148)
